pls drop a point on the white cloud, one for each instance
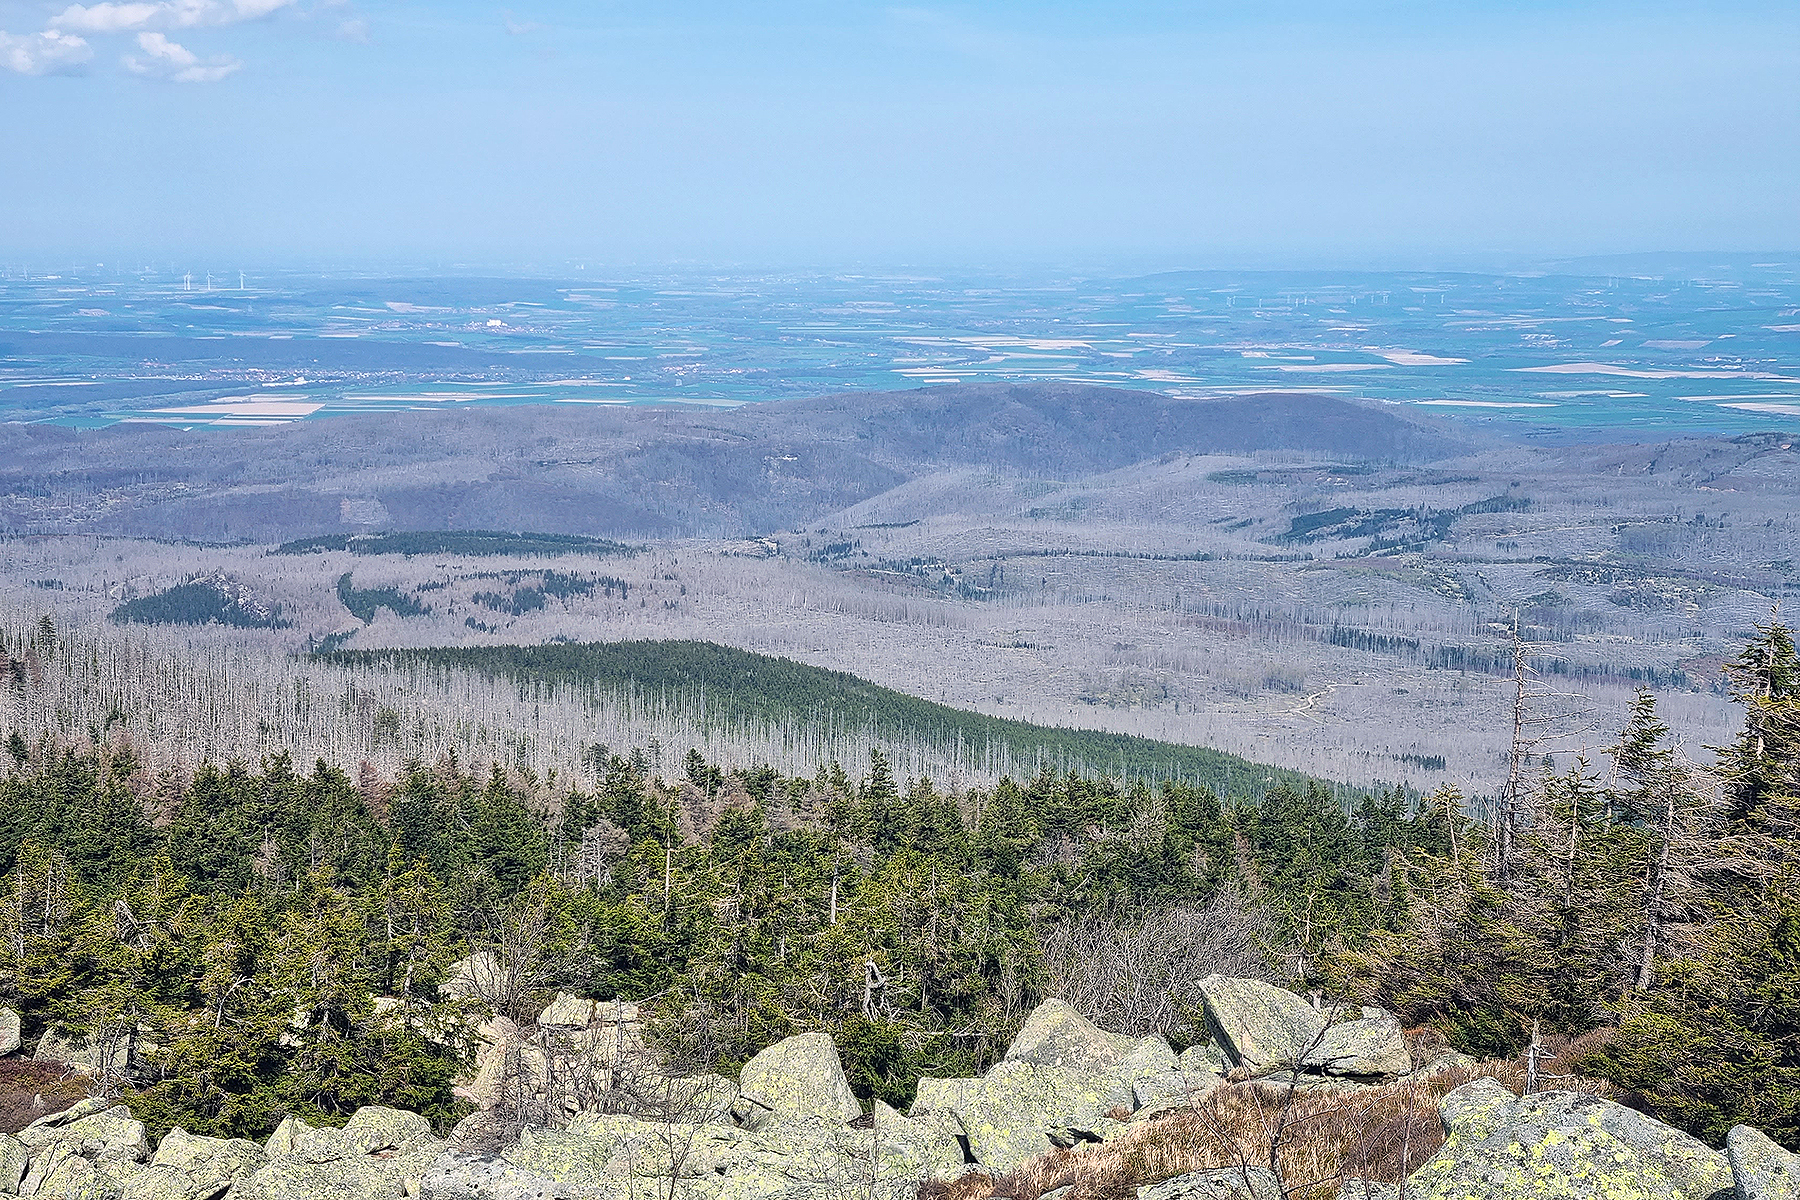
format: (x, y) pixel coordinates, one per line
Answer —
(112, 17)
(45, 53)
(176, 63)
(354, 30)
(105, 18)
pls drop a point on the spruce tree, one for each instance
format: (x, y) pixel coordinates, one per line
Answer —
(1717, 1043)
(1761, 769)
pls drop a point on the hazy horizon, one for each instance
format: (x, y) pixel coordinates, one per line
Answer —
(949, 137)
(1646, 264)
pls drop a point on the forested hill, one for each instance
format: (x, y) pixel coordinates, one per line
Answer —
(738, 684)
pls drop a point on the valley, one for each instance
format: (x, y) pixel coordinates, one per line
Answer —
(1307, 582)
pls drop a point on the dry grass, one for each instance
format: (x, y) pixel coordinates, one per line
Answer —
(29, 1090)
(1380, 1134)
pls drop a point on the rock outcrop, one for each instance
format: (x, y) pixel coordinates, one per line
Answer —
(1224, 1183)
(790, 1129)
(1372, 1046)
(799, 1079)
(1269, 1031)
(1563, 1144)
(107, 1056)
(578, 1054)
(1258, 1024)
(1063, 1080)
(1761, 1169)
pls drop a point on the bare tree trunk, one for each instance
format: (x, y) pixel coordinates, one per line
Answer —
(1653, 900)
(1506, 818)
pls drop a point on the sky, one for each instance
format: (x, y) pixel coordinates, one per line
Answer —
(836, 133)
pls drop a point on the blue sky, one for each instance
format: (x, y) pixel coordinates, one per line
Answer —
(790, 132)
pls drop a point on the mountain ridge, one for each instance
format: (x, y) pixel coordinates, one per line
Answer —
(631, 471)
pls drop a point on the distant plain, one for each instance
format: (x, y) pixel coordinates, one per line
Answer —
(1606, 349)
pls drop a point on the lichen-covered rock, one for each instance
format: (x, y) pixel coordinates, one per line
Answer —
(1561, 1144)
(1372, 1046)
(813, 1160)
(43, 1129)
(560, 1155)
(1222, 1183)
(1534, 1161)
(1055, 1035)
(810, 1152)
(1204, 1057)
(168, 1183)
(1475, 1110)
(1694, 1167)
(75, 1178)
(373, 1129)
(1004, 1117)
(207, 1165)
(473, 978)
(10, 1040)
(1277, 1083)
(200, 1155)
(15, 1156)
(281, 1143)
(295, 1139)
(108, 1055)
(617, 1012)
(1258, 1024)
(944, 1120)
(795, 1079)
(45, 1160)
(343, 1179)
(496, 1039)
(568, 1011)
(1020, 1109)
(949, 1095)
(483, 1177)
(1762, 1170)
(622, 1157)
(695, 1099)
(755, 1185)
(111, 1132)
(379, 1149)
(1171, 1089)
(922, 1147)
(1367, 1189)
(702, 1098)
(631, 1146)
(1148, 1057)
(376, 1128)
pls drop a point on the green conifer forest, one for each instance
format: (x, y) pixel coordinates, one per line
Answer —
(272, 936)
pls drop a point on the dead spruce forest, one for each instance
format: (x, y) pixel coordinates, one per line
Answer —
(890, 716)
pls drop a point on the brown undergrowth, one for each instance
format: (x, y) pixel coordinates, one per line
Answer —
(29, 1090)
(1379, 1134)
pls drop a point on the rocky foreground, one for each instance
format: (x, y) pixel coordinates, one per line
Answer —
(789, 1128)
